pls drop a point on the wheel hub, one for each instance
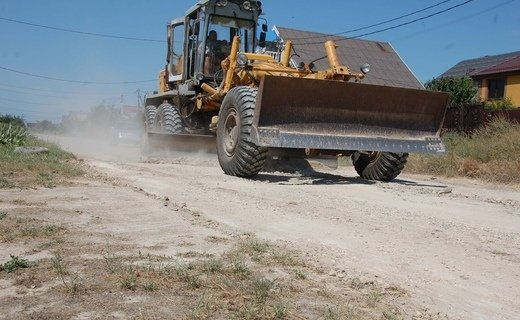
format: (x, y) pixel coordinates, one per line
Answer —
(231, 133)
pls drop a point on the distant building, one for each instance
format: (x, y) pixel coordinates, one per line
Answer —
(496, 76)
(129, 112)
(387, 68)
(75, 116)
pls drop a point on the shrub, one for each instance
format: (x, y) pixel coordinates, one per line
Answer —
(15, 120)
(461, 89)
(11, 134)
(490, 153)
(499, 104)
(15, 263)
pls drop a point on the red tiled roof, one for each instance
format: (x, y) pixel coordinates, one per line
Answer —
(507, 66)
(473, 67)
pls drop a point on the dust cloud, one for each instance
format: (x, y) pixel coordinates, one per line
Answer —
(106, 148)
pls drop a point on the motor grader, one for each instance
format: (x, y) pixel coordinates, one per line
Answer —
(217, 87)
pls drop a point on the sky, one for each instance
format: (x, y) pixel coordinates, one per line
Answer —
(429, 46)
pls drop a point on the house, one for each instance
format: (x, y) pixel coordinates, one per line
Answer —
(387, 68)
(129, 112)
(497, 76)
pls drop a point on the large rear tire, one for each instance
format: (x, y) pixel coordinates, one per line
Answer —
(381, 166)
(237, 154)
(150, 112)
(168, 119)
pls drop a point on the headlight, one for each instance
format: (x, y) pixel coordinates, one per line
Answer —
(242, 60)
(251, 6)
(365, 68)
(222, 3)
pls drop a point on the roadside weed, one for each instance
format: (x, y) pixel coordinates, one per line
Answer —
(239, 266)
(193, 281)
(373, 298)
(300, 274)
(280, 311)
(128, 278)
(490, 153)
(151, 286)
(391, 315)
(331, 314)
(72, 282)
(110, 259)
(58, 266)
(213, 266)
(31, 170)
(16, 263)
(261, 288)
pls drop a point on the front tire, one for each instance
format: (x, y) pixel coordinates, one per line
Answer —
(381, 166)
(237, 154)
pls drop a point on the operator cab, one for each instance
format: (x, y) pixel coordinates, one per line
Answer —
(199, 42)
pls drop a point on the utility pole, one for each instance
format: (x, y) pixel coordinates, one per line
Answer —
(139, 98)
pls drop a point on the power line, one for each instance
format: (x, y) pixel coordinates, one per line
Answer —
(393, 27)
(72, 81)
(455, 21)
(63, 94)
(376, 24)
(68, 92)
(81, 32)
(35, 102)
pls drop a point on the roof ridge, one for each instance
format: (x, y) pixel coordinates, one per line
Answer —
(497, 67)
(330, 35)
(470, 67)
(516, 54)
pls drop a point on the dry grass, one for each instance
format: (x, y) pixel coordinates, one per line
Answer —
(35, 170)
(491, 153)
(253, 280)
(15, 228)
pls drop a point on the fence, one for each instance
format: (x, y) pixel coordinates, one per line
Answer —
(469, 117)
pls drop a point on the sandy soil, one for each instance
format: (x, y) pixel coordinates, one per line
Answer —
(453, 245)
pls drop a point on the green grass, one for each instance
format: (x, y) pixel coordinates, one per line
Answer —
(491, 153)
(15, 263)
(12, 134)
(48, 169)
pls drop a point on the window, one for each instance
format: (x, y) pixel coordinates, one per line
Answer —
(221, 31)
(496, 88)
(175, 51)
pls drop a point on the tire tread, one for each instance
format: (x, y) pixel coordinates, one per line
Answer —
(249, 158)
(385, 167)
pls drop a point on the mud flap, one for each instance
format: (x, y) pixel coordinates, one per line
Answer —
(335, 115)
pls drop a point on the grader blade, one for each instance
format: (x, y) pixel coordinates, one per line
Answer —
(185, 143)
(335, 115)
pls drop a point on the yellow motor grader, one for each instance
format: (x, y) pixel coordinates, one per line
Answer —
(216, 87)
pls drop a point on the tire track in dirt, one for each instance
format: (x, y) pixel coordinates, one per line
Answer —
(454, 246)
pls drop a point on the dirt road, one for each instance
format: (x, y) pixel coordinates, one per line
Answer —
(453, 245)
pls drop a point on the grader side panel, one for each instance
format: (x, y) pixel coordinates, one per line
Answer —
(335, 115)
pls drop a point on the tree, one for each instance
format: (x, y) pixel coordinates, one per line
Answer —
(15, 120)
(43, 126)
(461, 89)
